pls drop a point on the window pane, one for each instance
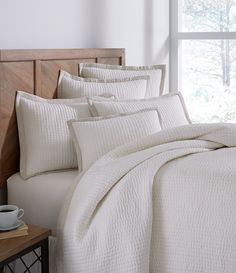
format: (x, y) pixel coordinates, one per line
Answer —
(209, 79)
(208, 15)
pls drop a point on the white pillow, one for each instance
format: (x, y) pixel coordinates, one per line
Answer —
(171, 108)
(70, 86)
(103, 71)
(45, 141)
(96, 136)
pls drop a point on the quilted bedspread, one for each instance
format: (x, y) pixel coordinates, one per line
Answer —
(163, 204)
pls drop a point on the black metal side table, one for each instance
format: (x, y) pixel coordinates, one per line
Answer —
(15, 248)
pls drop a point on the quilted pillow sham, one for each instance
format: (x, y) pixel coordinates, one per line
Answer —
(70, 86)
(95, 137)
(171, 108)
(103, 71)
(45, 141)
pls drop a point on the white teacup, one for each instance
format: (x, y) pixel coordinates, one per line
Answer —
(9, 216)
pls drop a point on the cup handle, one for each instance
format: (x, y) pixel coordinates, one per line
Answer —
(20, 213)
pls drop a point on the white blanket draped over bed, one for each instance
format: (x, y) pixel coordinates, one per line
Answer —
(164, 204)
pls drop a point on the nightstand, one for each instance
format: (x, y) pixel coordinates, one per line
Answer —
(15, 248)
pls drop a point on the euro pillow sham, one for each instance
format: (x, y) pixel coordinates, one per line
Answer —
(171, 108)
(70, 86)
(45, 141)
(102, 71)
(95, 137)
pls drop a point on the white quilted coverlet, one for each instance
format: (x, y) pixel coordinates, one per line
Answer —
(163, 204)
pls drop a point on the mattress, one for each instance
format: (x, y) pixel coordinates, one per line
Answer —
(41, 196)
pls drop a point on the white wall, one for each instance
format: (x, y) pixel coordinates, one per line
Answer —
(141, 26)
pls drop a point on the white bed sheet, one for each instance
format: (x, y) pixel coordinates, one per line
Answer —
(41, 196)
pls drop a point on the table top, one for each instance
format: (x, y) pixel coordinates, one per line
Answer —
(10, 247)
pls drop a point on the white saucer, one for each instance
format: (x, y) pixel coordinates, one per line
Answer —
(18, 223)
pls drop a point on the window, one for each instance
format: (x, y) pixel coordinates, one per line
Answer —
(203, 57)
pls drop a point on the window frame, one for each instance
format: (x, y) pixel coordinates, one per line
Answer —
(177, 36)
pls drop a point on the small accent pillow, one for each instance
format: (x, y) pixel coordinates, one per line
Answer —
(45, 141)
(102, 71)
(95, 137)
(70, 86)
(171, 108)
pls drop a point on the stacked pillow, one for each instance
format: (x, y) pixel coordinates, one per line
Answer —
(70, 86)
(45, 142)
(171, 108)
(104, 71)
(94, 137)
(48, 128)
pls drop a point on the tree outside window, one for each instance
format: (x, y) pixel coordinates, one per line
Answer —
(209, 65)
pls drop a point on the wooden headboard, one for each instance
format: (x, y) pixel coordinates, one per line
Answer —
(35, 71)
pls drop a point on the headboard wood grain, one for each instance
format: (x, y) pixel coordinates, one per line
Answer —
(36, 71)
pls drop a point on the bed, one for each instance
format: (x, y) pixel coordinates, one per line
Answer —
(155, 193)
